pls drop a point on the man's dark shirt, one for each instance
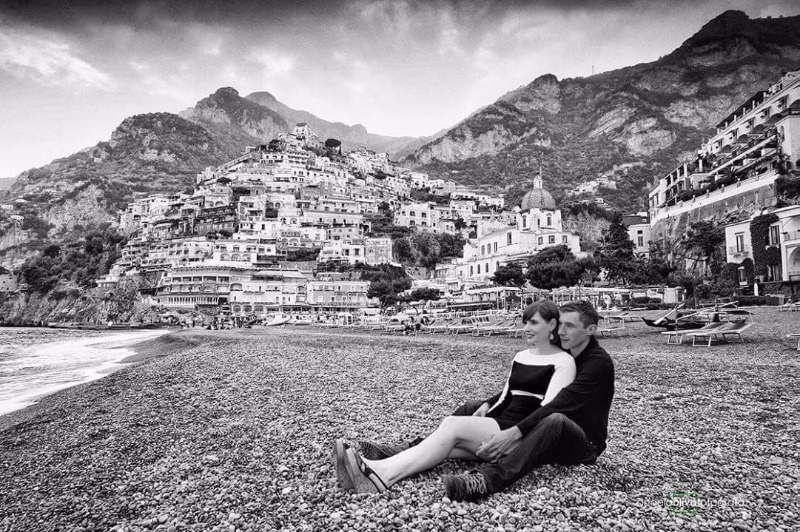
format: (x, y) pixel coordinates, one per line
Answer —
(587, 401)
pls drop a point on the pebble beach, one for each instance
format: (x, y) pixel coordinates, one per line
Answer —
(232, 430)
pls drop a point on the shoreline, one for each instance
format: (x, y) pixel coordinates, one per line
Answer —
(144, 350)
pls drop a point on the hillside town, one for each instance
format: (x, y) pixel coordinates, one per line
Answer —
(231, 244)
(282, 227)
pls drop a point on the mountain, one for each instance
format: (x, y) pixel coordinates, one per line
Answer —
(156, 152)
(351, 136)
(226, 114)
(163, 152)
(653, 113)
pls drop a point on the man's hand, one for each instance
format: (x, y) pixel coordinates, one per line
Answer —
(482, 410)
(498, 445)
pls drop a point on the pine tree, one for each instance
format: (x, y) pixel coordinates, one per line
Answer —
(615, 254)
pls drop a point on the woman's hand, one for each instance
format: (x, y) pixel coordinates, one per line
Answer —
(482, 410)
(499, 445)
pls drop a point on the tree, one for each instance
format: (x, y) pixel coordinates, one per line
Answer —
(655, 269)
(425, 294)
(555, 266)
(703, 242)
(615, 253)
(383, 290)
(510, 275)
(450, 245)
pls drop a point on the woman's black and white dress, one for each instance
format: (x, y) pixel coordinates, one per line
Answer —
(534, 381)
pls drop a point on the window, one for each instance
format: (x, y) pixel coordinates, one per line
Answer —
(483, 250)
(549, 220)
(640, 241)
(774, 235)
(508, 239)
(564, 239)
(739, 242)
(742, 276)
(470, 270)
(479, 269)
(552, 239)
(495, 247)
(541, 240)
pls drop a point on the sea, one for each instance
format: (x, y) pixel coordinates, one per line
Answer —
(35, 362)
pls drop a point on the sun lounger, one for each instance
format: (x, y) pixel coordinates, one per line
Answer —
(481, 328)
(505, 327)
(439, 327)
(611, 324)
(790, 306)
(465, 326)
(734, 330)
(676, 337)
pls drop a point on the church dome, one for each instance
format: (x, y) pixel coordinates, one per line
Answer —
(538, 198)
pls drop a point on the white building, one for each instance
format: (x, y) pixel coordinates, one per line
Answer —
(538, 226)
(639, 232)
(783, 235)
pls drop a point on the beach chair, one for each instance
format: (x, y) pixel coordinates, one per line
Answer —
(735, 329)
(611, 324)
(505, 327)
(676, 337)
(481, 328)
(466, 325)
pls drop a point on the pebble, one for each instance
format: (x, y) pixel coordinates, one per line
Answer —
(206, 439)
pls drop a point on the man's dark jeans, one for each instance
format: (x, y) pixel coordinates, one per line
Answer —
(556, 439)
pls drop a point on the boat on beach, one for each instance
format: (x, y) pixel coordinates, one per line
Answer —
(277, 320)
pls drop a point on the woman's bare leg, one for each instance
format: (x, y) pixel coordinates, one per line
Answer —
(465, 433)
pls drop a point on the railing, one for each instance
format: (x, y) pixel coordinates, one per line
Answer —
(791, 235)
(734, 252)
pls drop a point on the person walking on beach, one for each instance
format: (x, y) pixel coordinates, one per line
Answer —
(569, 430)
(537, 376)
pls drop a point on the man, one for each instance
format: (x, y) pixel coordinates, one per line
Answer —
(570, 430)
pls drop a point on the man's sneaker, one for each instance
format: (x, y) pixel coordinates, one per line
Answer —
(379, 451)
(470, 486)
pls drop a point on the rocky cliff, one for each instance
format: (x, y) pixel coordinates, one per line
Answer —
(350, 136)
(654, 113)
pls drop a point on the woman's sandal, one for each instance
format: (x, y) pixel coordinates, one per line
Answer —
(364, 479)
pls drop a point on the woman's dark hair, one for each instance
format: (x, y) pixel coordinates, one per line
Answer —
(548, 311)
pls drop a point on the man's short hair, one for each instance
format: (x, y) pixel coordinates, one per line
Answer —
(586, 311)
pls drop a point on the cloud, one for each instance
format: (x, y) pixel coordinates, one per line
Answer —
(48, 62)
(274, 63)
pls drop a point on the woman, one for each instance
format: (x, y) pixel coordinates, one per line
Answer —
(537, 375)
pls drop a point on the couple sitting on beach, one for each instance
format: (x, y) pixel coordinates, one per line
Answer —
(553, 410)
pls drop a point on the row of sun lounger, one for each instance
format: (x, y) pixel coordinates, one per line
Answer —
(715, 331)
(474, 325)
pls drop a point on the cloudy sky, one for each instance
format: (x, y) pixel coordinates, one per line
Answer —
(71, 70)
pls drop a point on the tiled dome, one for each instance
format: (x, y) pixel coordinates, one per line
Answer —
(538, 198)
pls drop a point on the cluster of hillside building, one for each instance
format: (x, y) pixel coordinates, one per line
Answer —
(238, 240)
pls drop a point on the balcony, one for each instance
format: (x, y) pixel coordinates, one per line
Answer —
(739, 253)
(791, 236)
